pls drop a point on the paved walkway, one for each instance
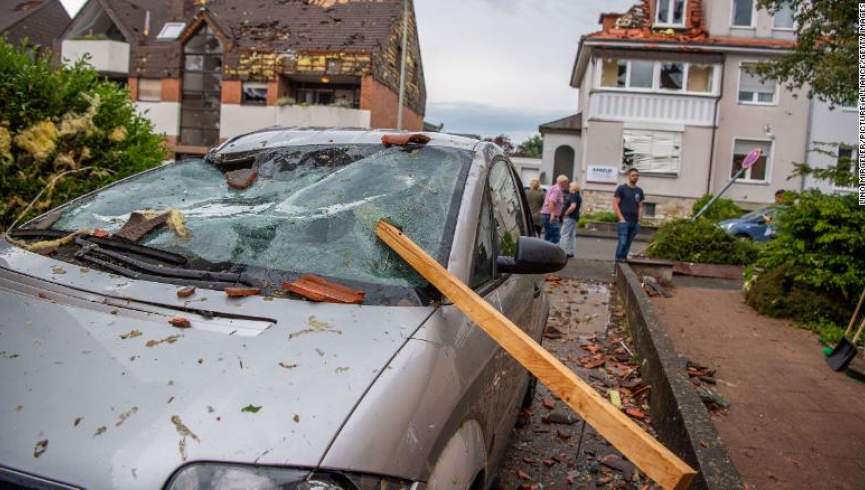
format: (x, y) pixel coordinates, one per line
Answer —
(793, 423)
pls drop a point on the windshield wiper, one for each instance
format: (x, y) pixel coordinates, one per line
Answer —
(215, 280)
(114, 243)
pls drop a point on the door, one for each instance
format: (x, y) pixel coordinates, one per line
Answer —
(202, 89)
(563, 162)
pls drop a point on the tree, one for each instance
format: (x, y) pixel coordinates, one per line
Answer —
(824, 58)
(503, 141)
(531, 148)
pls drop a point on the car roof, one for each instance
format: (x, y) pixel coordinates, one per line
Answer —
(278, 137)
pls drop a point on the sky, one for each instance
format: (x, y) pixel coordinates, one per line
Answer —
(499, 66)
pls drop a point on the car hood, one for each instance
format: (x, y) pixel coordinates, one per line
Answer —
(97, 389)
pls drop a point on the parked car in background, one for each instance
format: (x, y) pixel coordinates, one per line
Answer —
(101, 389)
(757, 225)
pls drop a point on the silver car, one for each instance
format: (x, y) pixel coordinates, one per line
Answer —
(99, 388)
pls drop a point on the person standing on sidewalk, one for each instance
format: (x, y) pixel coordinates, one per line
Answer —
(551, 213)
(535, 197)
(571, 215)
(628, 205)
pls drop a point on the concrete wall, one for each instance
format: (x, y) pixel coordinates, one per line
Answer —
(236, 119)
(527, 168)
(105, 56)
(834, 126)
(785, 124)
(552, 141)
(165, 116)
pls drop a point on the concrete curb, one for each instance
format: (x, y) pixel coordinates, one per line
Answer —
(681, 419)
(584, 232)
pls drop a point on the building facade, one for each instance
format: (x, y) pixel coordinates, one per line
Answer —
(204, 71)
(664, 88)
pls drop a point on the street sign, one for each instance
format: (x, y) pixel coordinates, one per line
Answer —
(752, 158)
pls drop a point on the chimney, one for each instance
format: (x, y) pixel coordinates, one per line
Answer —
(608, 21)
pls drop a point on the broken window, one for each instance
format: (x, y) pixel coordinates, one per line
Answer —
(700, 78)
(254, 93)
(614, 73)
(743, 13)
(671, 13)
(149, 89)
(741, 148)
(752, 90)
(652, 151)
(312, 209)
(483, 259)
(671, 76)
(507, 209)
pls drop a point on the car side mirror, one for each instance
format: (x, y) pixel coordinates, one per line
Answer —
(533, 256)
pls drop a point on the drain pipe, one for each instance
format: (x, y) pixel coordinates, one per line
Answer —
(807, 141)
(402, 63)
(715, 126)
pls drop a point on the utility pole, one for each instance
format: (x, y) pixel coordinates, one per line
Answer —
(402, 63)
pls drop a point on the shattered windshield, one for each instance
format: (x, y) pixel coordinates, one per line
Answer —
(298, 209)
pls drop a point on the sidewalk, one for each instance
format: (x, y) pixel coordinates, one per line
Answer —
(792, 422)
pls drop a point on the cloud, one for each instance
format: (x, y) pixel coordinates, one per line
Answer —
(489, 120)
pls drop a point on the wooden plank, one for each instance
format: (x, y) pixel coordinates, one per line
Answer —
(655, 460)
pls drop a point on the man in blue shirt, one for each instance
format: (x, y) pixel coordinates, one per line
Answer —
(628, 205)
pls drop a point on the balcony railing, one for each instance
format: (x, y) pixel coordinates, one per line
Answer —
(107, 56)
(627, 106)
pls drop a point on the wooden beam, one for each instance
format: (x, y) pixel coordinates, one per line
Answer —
(650, 456)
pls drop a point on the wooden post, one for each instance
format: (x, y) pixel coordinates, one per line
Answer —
(650, 456)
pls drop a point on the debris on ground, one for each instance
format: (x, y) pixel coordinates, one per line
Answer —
(241, 292)
(241, 179)
(653, 287)
(186, 292)
(319, 289)
(700, 377)
(180, 322)
(139, 225)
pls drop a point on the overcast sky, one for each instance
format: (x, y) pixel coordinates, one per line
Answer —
(499, 66)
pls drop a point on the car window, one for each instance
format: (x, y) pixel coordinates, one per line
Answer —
(507, 209)
(312, 209)
(483, 260)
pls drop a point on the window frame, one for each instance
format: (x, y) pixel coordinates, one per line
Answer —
(755, 100)
(656, 78)
(670, 10)
(138, 97)
(787, 29)
(652, 173)
(854, 159)
(746, 179)
(243, 99)
(753, 24)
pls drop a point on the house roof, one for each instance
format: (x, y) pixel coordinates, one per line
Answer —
(353, 25)
(569, 124)
(13, 12)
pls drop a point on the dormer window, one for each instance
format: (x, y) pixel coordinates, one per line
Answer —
(670, 13)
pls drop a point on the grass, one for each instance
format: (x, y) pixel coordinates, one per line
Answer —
(829, 333)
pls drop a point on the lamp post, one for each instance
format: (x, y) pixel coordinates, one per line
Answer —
(402, 64)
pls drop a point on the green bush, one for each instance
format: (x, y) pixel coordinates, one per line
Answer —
(699, 241)
(55, 120)
(722, 209)
(819, 251)
(597, 217)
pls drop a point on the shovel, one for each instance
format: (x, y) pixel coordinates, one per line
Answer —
(845, 351)
(830, 352)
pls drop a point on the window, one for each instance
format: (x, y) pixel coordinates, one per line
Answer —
(652, 151)
(671, 13)
(759, 171)
(671, 76)
(507, 209)
(333, 67)
(642, 74)
(254, 93)
(845, 163)
(170, 31)
(743, 13)
(752, 90)
(700, 78)
(483, 259)
(614, 73)
(149, 89)
(783, 17)
(649, 209)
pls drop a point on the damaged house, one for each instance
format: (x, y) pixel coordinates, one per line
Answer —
(664, 87)
(36, 22)
(207, 70)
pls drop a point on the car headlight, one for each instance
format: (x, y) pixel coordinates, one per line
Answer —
(218, 476)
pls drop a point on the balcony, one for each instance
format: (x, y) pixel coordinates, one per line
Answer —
(648, 107)
(107, 56)
(239, 119)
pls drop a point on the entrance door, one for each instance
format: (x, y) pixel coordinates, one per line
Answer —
(202, 89)
(563, 163)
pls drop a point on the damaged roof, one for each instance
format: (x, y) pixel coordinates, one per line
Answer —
(18, 20)
(361, 25)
